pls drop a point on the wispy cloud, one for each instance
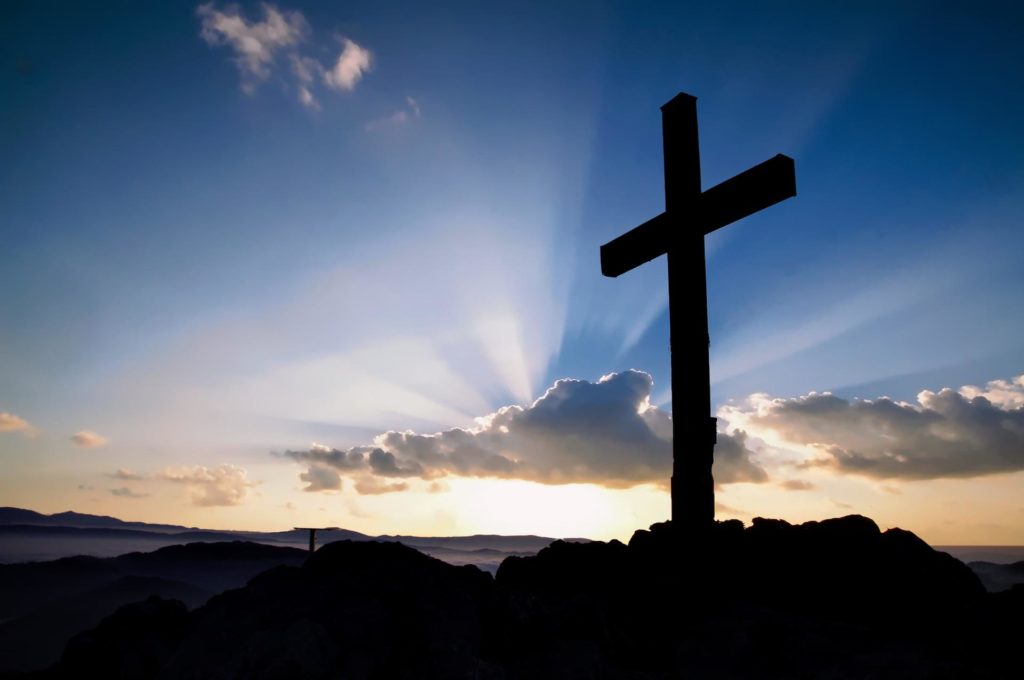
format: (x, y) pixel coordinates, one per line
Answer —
(403, 115)
(221, 485)
(125, 492)
(257, 45)
(126, 474)
(89, 440)
(352, 63)
(254, 43)
(372, 486)
(12, 423)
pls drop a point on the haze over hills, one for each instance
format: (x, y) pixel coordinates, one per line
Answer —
(26, 535)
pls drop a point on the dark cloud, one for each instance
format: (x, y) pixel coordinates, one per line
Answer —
(732, 460)
(321, 478)
(603, 432)
(946, 434)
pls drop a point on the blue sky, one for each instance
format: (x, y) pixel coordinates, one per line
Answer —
(206, 259)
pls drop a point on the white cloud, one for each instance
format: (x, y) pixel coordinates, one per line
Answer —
(950, 433)
(1007, 394)
(352, 63)
(12, 423)
(89, 440)
(254, 44)
(222, 485)
(603, 432)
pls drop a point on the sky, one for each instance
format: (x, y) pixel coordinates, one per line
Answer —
(316, 263)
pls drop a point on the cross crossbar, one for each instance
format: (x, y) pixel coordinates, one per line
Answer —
(751, 191)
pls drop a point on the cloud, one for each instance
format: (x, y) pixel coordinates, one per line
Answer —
(12, 423)
(222, 485)
(605, 432)
(254, 44)
(950, 433)
(352, 63)
(403, 115)
(84, 487)
(1007, 394)
(796, 485)
(305, 71)
(125, 492)
(307, 99)
(89, 440)
(370, 486)
(126, 474)
(321, 478)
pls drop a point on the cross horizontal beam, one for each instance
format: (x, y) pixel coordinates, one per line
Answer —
(759, 187)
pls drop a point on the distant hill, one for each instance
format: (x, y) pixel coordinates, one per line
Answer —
(76, 519)
(26, 535)
(42, 604)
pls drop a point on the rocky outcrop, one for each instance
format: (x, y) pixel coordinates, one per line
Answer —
(837, 599)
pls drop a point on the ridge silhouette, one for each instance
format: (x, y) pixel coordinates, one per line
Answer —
(836, 598)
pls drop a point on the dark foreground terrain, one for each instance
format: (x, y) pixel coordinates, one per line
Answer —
(831, 599)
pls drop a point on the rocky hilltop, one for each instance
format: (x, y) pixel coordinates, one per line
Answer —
(835, 599)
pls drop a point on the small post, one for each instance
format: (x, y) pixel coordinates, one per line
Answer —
(312, 535)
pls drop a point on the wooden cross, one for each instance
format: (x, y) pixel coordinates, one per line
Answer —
(679, 232)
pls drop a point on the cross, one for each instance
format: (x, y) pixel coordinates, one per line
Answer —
(312, 535)
(679, 232)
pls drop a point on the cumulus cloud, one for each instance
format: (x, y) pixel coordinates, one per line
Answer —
(125, 492)
(352, 63)
(255, 43)
(1007, 394)
(221, 485)
(950, 433)
(89, 440)
(126, 474)
(605, 432)
(321, 478)
(12, 423)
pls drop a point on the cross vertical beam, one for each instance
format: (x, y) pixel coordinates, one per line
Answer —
(693, 495)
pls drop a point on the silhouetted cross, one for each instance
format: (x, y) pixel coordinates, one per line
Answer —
(312, 535)
(679, 231)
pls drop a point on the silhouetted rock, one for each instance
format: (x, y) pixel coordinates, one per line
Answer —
(138, 636)
(836, 599)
